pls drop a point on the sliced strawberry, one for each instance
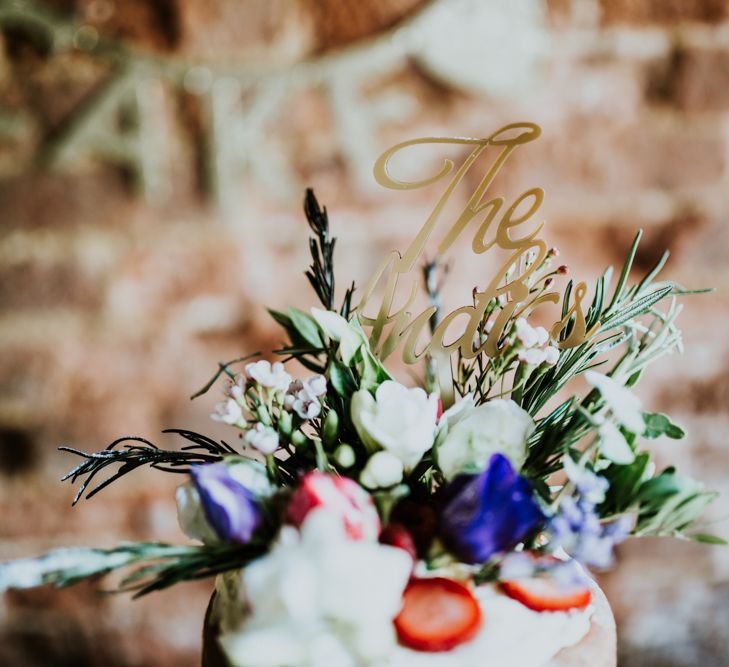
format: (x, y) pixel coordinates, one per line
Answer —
(437, 614)
(545, 594)
(396, 535)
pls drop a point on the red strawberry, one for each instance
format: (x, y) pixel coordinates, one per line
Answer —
(437, 614)
(396, 535)
(544, 594)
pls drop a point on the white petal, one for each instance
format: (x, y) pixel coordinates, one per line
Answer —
(622, 402)
(613, 445)
(340, 330)
(191, 517)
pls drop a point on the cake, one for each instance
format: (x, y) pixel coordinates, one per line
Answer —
(512, 636)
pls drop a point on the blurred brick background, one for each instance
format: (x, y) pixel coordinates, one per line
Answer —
(116, 306)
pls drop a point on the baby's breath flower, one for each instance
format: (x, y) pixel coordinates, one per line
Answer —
(228, 412)
(303, 397)
(272, 376)
(551, 355)
(237, 389)
(263, 438)
(531, 356)
(530, 336)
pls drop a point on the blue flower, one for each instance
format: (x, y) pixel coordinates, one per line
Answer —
(488, 513)
(577, 529)
(230, 507)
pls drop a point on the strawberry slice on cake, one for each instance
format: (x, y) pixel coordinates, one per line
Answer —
(437, 614)
(546, 594)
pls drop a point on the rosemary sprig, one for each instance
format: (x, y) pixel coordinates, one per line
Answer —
(321, 246)
(132, 452)
(321, 272)
(154, 566)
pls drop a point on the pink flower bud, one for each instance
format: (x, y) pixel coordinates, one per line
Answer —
(339, 495)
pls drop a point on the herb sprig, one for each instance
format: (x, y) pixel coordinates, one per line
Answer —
(132, 452)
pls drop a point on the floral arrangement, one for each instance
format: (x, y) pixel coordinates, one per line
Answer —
(353, 507)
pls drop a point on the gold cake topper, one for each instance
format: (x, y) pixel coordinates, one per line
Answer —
(391, 327)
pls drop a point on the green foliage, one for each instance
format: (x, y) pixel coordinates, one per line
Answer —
(130, 453)
(154, 566)
(658, 424)
(300, 345)
(668, 504)
(321, 272)
(342, 379)
(621, 326)
(305, 327)
(625, 485)
(708, 539)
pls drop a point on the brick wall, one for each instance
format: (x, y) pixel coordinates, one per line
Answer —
(117, 306)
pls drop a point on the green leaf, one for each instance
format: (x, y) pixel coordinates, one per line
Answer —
(658, 424)
(653, 272)
(708, 539)
(625, 482)
(281, 318)
(305, 326)
(633, 379)
(596, 309)
(669, 504)
(617, 295)
(341, 379)
(634, 309)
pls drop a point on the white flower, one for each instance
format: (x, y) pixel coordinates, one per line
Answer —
(237, 388)
(383, 469)
(468, 435)
(532, 356)
(613, 445)
(263, 438)
(551, 355)
(319, 598)
(303, 397)
(273, 376)
(398, 420)
(228, 412)
(530, 336)
(251, 474)
(191, 517)
(316, 385)
(623, 403)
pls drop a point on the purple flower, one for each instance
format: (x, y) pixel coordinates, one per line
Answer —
(230, 507)
(577, 529)
(488, 513)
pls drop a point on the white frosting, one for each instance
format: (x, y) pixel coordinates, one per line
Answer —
(319, 598)
(511, 636)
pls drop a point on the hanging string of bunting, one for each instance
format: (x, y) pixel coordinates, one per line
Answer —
(452, 41)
